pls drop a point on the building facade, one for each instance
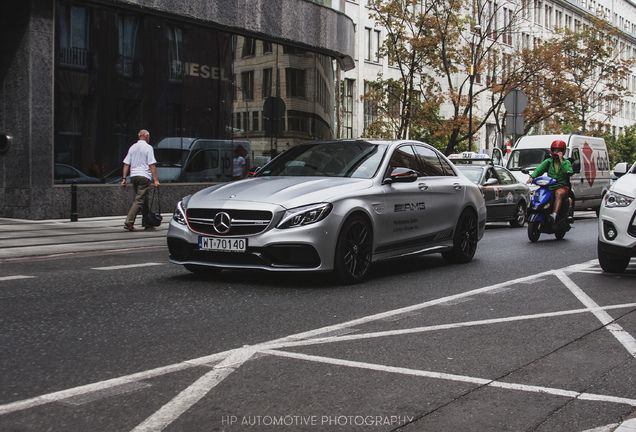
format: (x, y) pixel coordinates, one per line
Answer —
(534, 21)
(81, 78)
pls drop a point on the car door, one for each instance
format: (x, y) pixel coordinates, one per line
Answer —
(512, 192)
(493, 193)
(444, 190)
(406, 223)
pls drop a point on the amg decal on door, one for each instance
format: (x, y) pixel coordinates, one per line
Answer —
(409, 207)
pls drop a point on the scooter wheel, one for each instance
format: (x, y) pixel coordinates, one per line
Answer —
(534, 231)
(560, 234)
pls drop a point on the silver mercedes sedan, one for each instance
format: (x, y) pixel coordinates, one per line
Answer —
(336, 206)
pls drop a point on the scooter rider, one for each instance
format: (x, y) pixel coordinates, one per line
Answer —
(559, 169)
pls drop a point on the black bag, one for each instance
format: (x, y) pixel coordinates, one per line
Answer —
(151, 218)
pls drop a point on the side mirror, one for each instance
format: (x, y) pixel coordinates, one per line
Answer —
(621, 169)
(491, 181)
(402, 175)
(497, 156)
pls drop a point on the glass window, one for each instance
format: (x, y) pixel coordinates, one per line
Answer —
(295, 82)
(72, 36)
(249, 47)
(405, 157)
(267, 83)
(430, 161)
(178, 80)
(504, 176)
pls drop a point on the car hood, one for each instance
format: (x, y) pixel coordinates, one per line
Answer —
(288, 192)
(626, 185)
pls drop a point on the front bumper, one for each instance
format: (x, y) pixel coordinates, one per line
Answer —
(617, 230)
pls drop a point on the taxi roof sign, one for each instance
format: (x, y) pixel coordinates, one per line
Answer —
(470, 157)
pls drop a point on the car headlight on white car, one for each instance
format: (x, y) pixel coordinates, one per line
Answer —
(305, 215)
(614, 199)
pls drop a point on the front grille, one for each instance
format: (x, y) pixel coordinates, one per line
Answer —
(241, 222)
(288, 256)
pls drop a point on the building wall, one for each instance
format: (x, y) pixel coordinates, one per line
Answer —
(27, 100)
(621, 13)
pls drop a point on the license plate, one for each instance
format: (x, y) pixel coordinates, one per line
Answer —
(223, 244)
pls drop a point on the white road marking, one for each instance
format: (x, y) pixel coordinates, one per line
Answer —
(128, 266)
(231, 360)
(452, 377)
(606, 319)
(184, 401)
(16, 277)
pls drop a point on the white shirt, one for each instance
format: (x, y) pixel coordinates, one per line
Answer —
(239, 162)
(140, 156)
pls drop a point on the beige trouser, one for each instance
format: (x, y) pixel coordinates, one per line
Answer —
(141, 186)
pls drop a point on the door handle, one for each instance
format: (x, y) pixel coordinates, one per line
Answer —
(457, 186)
(423, 186)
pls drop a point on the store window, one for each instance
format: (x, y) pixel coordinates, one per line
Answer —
(117, 72)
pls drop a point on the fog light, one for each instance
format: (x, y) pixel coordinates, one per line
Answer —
(610, 230)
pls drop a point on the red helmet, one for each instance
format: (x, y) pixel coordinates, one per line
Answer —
(557, 145)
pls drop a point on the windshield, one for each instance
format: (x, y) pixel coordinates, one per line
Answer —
(527, 158)
(169, 157)
(473, 174)
(342, 159)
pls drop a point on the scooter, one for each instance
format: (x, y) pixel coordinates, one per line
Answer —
(541, 205)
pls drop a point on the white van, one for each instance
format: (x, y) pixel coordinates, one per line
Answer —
(588, 156)
(198, 160)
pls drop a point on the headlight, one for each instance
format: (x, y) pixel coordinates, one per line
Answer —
(613, 199)
(543, 182)
(179, 212)
(305, 215)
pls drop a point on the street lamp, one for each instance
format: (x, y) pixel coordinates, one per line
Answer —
(471, 78)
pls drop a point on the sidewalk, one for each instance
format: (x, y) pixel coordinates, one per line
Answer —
(26, 238)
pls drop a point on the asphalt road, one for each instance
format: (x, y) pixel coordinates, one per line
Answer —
(528, 336)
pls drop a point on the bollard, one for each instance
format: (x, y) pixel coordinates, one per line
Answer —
(73, 202)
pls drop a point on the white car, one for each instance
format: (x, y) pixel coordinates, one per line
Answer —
(617, 224)
(335, 206)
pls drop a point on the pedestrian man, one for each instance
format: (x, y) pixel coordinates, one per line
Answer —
(141, 161)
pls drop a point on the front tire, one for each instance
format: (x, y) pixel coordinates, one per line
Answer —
(353, 251)
(610, 263)
(465, 239)
(534, 231)
(520, 216)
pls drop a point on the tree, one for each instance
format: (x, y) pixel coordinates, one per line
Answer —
(579, 73)
(435, 46)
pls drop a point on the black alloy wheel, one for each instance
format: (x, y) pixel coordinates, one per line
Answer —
(353, 251)
(520, 215)
(465, 239)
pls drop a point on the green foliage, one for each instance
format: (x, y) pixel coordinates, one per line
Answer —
(623, 148)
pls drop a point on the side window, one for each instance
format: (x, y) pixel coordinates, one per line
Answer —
(430, 161)
(576, 160)
(448, 170)
(404, 157)
(203, 160)
(490, 173)
(504, 176)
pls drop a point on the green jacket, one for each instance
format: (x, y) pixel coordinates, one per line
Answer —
(560, 175)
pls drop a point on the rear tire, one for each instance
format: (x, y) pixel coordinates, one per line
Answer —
(560, 234)
(464, 240)
(352, 259)
(520, 216)
(534, 231)
(609, 263)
